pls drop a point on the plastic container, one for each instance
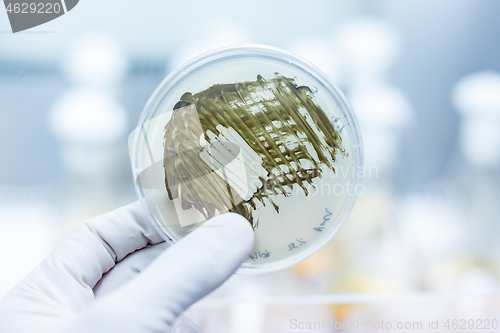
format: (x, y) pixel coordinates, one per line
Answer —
(304, 223)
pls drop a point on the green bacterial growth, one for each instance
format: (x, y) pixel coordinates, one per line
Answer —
(277, 122)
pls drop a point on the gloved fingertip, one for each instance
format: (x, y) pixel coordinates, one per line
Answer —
(232, 220)
(235, 226)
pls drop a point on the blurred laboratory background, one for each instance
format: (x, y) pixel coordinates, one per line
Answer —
(422, 76)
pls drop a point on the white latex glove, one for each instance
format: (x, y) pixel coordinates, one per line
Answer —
(96, 281)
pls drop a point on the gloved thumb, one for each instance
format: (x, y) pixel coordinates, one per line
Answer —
(180, 276)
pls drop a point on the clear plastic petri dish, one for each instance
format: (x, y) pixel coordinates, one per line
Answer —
(254, 130)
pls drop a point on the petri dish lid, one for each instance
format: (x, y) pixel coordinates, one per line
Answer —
(255, 130)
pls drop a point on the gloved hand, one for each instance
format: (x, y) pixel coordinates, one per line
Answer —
(104, 278)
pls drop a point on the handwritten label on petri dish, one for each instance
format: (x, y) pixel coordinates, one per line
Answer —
(294, 245)
(337, 125)
(259, 254)
(325, 218)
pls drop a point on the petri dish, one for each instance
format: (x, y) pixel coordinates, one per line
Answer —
(254, 130)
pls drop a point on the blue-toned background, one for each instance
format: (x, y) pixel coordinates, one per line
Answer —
(422, 76)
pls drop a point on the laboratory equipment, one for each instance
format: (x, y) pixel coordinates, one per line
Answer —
(253, 130)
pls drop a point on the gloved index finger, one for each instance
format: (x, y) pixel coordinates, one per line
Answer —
(177, 278)
(124, 230)
(90, 250)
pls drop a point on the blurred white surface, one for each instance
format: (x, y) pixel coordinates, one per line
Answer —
(95, 60)
(418, 243)
(28, 232)
(477, 98)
